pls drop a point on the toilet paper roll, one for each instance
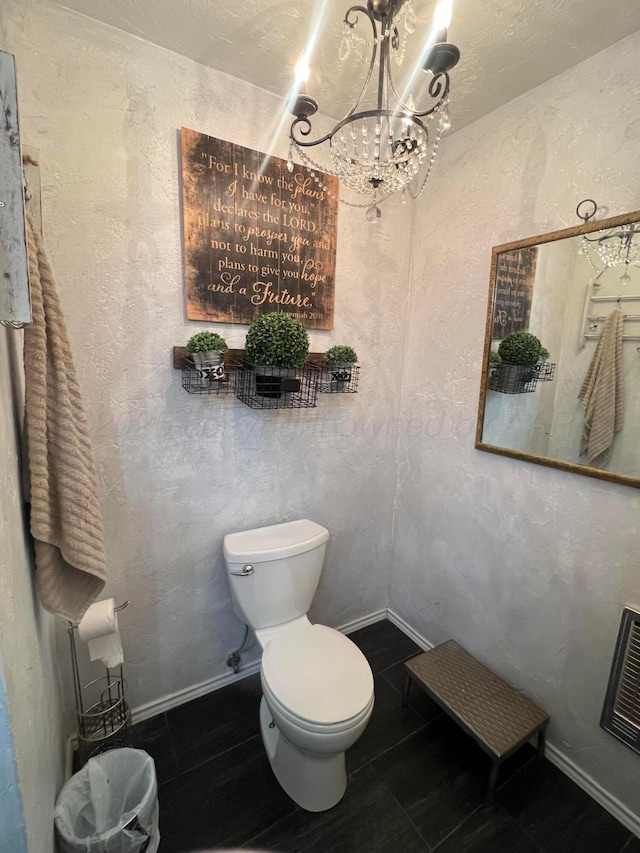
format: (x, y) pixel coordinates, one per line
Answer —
(99, 629)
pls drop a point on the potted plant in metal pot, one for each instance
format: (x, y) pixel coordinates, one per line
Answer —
(340, 360)
(276, 344)
(518, 354)
(206, 350)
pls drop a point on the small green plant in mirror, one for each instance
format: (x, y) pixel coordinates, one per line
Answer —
(206, 342)
(341, 355)
(494, 357)
(521, 348)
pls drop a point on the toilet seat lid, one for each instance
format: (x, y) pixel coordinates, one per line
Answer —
(318, 675)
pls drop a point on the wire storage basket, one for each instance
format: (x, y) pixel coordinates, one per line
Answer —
(104, 721)
(513, 378)
(519, 379)
(207, 380)
(261, 387)
(546, 371)
(338, 378)
(102, 712)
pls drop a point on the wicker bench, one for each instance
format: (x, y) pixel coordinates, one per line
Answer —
(494, 714)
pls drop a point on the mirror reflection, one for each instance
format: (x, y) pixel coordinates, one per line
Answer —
(561, 380)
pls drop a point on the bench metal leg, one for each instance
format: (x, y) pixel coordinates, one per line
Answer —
(405, 691)
(493, 779)
(542, 740)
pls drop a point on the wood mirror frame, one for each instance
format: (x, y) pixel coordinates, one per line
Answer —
(579, 230)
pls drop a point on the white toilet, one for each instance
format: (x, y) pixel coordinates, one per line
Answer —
(317, 685)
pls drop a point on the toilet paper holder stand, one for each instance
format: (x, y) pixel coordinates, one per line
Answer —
(102, 712)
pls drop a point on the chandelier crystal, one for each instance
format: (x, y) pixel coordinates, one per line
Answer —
(391, 147)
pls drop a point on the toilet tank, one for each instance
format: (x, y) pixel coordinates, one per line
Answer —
(285, 560)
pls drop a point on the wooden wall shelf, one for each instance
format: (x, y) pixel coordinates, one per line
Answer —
(236, 356)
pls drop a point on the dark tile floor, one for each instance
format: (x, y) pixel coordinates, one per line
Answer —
(416, 782)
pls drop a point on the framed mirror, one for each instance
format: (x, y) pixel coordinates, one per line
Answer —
(561, 366)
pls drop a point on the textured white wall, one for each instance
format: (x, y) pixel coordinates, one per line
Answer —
(177, 472)
(524, 565)
(27, 645)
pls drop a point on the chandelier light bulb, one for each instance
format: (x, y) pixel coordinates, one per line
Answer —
(302, 70)
(442, 15)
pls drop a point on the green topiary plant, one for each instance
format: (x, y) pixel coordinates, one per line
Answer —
(206, 342)
(341, 355)
(520, 348)
(544, 354)
(494, 357)
(277, 340)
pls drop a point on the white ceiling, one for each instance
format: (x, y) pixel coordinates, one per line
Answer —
(507, 47)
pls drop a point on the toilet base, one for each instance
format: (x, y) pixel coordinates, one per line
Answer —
(315, 782)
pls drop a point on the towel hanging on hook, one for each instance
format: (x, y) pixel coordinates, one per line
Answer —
(602, 394)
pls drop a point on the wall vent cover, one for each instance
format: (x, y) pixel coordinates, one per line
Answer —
(621, 712)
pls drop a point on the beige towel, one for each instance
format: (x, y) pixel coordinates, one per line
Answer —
(602, 393)
(66, 522)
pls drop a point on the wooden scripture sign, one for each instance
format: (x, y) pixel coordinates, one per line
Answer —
(515, 277)
(257, 238)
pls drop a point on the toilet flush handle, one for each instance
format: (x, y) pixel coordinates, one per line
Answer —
(244, 572)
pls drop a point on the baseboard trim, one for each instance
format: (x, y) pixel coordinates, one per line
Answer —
(180, 697)
(417, 638)
(627, 818)
(363, 621)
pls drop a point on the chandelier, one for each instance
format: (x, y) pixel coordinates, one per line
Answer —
(615, 248)
(391, 146)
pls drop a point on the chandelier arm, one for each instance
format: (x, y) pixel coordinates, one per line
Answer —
(394, 91)
(385, 36)
(374, 50)
(389, 80)
(611, 235)
(436, 86)
(302, 125)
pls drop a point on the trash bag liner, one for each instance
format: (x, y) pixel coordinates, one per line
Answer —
(110, 805)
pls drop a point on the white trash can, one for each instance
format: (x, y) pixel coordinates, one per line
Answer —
(110, 805)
